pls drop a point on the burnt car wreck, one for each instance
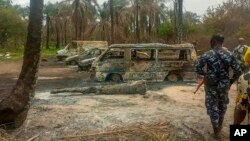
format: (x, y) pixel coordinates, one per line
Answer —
(152, 62)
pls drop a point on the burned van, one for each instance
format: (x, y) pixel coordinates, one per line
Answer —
(152, 62)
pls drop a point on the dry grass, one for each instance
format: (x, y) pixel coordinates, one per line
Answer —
(146, 132)
(4, 136)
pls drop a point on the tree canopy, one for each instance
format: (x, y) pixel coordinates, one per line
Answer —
(12, 26)
(133, 21)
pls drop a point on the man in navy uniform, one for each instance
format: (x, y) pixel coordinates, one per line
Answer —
(214, 66)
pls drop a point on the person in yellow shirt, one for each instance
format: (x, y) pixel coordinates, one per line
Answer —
(242, 100)
(243, 88)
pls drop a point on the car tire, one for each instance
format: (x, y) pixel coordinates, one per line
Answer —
(73, 63)
(85, 68)
(115, 77)
(173, 77)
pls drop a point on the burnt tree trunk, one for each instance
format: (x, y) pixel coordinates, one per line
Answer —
(14, 107)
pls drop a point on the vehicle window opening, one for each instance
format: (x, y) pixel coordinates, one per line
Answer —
(142, 54)
(152, 54)
(113, 54)
(183, 55)
(169, 55)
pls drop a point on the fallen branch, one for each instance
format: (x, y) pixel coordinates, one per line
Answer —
(136, 87)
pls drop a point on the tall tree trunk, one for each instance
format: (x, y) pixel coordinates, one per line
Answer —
(137, 22)
(112, 20)
(180, 21)
(61, 30)
(103, 34)
(76, 20)
(175, 21)
(76, 30)
(150, 26)
(48, 31)
(117, 19)
(65, 32)
(57, 36)
(14, 107)
(83, 29)
(80, 29)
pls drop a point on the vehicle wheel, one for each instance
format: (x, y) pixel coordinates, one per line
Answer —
(172, 77)
(85, 68)
(73, 63)
(61, 58)
(115, 77)
(88, 67)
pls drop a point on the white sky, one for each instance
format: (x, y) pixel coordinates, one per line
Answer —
(197, 6)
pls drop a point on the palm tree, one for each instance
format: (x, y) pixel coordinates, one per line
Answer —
(64, 13)
(82, 14)
(14, 107)
(100, 29)
(143, 17)
(152, 14)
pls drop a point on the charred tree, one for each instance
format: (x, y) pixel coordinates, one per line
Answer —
(14, 107)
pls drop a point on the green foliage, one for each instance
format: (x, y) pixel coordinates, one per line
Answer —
(51, 9)
(22, 11)
(12, 27)
(231, 18)
(191, 22)
(17, 53)
(48, 53)
(5, 3)
(165, 30)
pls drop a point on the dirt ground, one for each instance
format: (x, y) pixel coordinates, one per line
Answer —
(56, 117)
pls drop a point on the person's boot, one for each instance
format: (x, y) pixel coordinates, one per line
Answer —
(220, 126)
(216, 132)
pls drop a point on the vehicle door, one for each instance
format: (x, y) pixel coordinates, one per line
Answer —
(112, 62)
(188, 73)
(89, 53)
(142, 65)
(171, 63)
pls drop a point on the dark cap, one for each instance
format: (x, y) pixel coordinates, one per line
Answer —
(217, 38)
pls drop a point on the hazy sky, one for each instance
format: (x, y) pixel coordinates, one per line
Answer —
(197, 6)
